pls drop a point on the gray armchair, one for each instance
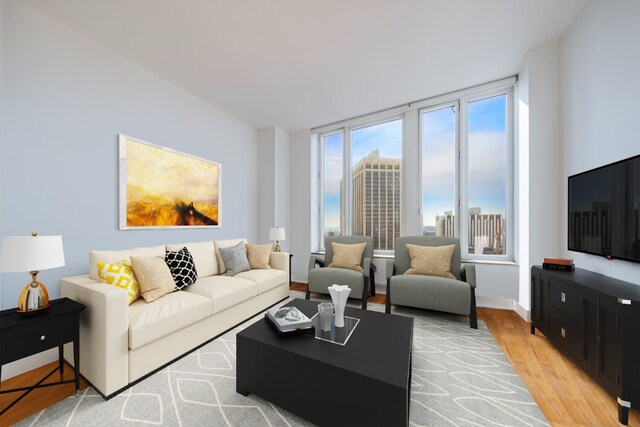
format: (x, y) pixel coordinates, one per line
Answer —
(321, 278)
(431, 292)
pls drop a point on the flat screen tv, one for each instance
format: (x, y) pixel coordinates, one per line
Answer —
(604, 211)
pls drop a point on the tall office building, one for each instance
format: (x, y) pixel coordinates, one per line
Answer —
(486, 231)
(376, 199)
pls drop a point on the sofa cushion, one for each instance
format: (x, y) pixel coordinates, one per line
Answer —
(259, 255)
(235, 259)
(148, 322)
(224, 291)
(114, 257)
(121, 276)
(224, 244)
(204, 256)
(266, 279)
(182, 267)
(154, 277)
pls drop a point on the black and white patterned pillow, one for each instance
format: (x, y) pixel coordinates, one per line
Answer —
(182, 267)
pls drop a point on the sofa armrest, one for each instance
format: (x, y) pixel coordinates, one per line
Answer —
(104, 332)
(468, 274)
(389, 268)
(279, 261)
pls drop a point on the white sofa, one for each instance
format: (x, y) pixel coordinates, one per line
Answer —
(121, 343)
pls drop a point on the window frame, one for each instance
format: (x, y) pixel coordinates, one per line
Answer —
(411, 116)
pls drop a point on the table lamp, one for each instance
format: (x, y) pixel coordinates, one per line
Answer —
(276, 233)
(31, 253)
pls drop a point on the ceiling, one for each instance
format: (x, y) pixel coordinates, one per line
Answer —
(297, 64)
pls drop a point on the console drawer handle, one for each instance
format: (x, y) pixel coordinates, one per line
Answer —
(563, 298)
(563, 333)
(43, 337)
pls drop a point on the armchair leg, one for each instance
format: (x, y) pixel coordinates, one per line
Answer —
(365, 293)
(473, 316)
(308, 295)
(372, 278)
(387, 307)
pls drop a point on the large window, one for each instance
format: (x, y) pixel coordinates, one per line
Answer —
(366, 190)
(459, 165)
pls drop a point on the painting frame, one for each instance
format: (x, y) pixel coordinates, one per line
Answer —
(167, 154)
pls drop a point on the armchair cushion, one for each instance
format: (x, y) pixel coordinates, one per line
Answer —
(321, 278)
(431, 292)
(347, 255)
(431, 260)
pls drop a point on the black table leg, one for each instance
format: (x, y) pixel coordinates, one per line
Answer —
(61, 360)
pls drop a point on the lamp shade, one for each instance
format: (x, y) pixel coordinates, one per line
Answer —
(276, 233)
(31, 253)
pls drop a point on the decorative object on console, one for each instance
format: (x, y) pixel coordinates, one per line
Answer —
(121, 276)
(31, 253)
(259, 255)
(339, 295)
(347, 255)
(325, 316)
(235, 259)
(163, 188)
(276, 233)
(182, 267)
(561, 267)
(558, 260)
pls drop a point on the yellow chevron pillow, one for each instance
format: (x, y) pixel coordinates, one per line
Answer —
(121, 276)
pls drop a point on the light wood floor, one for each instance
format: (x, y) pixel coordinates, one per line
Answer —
(566, 395)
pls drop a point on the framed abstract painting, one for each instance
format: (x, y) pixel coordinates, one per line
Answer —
(163, 188)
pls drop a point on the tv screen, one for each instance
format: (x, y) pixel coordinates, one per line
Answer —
(604, 211)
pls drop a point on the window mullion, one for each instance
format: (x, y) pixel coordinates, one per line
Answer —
(462, 141)
(347, 184)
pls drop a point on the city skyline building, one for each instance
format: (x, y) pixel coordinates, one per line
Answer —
(486, 231)
(376, 199)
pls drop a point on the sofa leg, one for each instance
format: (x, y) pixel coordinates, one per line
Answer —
(473, 316)
(387, 306)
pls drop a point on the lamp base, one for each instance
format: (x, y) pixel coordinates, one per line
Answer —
(277, 247)
(34, 297)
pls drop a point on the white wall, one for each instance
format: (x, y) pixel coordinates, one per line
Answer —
(273, 185)
(599, 93)
(65, 100)
(539, 159)
(301, 166)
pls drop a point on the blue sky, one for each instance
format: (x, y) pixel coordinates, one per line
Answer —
(487, 171)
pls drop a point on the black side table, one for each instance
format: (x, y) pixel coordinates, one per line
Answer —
(23, 335)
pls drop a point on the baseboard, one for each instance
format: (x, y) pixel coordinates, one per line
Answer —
(495, 302)
(522, 312)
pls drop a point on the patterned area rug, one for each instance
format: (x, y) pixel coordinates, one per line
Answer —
(460, 377)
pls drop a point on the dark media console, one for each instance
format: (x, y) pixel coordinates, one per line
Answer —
(596, 320)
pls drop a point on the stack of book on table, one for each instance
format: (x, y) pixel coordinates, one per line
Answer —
(565, 264)
(288, 320)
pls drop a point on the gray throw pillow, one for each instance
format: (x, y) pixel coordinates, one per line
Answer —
(235, 259)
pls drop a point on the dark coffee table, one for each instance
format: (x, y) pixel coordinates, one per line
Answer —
(365, 382)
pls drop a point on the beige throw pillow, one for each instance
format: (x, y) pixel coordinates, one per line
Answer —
(154, 277)
(431, 260)
(347, 255)
(259, 255)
